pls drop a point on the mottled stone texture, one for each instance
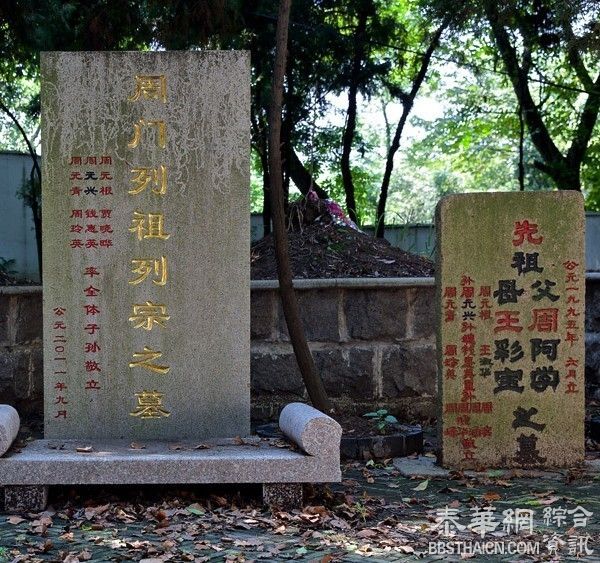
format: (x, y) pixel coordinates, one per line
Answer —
(399, 375)
(371, 346)
(283, 496)
(511, 306)
(173, 288)
(21, 351)
(25, 498)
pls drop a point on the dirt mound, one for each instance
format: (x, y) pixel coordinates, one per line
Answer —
(332, 251)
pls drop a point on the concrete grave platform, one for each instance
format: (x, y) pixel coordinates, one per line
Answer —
(58, 462)
(312, 455)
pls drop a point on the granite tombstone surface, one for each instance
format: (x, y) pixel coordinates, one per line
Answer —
(511, 283)
(146, 239)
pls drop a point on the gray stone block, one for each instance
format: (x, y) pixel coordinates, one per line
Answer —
(283, 496)
(37, 372)
(423, 312)
(14, 373)
(592, 359)
(409, 370)
(110, 462)
(276, 372)
(28, 321)
(28, 498)
(23, 376)
(316, 433)
(592, 306)
(4, 319)
(262, 314)
(346, 371)
(9, 427)
(376, 314)
(319, 313)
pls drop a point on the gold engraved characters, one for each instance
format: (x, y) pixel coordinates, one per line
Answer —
(148, 314)
(150, 405)
(149, 225)
(144, 360)
(146, 266)
(142, 177)
(150, 87)
(160, 134)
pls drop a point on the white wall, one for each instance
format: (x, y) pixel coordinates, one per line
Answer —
(17, 234)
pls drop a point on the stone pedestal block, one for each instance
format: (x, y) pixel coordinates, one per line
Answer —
(25, 498)
(285, 496)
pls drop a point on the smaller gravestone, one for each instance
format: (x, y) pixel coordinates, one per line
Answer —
(511, 291)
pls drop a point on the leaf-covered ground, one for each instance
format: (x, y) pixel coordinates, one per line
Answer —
(373, 513)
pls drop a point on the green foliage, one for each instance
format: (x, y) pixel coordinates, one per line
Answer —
(472, 147)
(382, 419)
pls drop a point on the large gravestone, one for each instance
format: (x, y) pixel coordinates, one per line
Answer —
(146, 244)
(511, 290)
(147, 286)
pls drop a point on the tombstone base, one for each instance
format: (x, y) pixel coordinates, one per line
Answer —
(285, 496)
(119, 462)
(25, 498)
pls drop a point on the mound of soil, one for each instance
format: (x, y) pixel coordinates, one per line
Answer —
(332, 251)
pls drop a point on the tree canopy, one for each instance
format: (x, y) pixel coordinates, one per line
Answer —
(514, 87)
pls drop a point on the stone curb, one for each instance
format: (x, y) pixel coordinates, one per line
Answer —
(20, 289)
(353, 283)
(424, 466)
(316, 433)
(9, 427)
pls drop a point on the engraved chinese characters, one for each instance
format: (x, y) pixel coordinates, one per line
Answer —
(149, 315)
(146, 237)
(510, 342)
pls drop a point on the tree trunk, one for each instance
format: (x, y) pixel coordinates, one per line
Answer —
(566, 177)
(266, 214)
(31, 200)
(37, 224)
(350, 129)
(312, 380)
(564, 170)
(407, 104)
(301, 177)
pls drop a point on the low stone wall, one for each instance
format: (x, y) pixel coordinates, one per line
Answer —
(373, 341)
(21, 356)
(592, 335)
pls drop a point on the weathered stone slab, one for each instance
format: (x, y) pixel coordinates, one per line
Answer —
(427, 467)
(25, 498)
(9, 427)
(511, 301)
(146, 238)
(111, 462)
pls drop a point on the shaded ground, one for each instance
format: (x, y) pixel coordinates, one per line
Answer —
(330, 251)
(374, 513)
